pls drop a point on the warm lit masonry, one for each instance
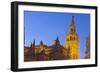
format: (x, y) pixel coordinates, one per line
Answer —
(72, 41)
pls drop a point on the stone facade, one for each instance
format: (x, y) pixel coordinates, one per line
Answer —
(43, 52)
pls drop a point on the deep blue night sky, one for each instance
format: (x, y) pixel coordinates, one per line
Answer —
(46, 26)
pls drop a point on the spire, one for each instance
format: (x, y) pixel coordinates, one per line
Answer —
(57, 39)
(72, 26)
(72, 23)
(41, 42)
(32, 48)
(33, 43)
(56, 42)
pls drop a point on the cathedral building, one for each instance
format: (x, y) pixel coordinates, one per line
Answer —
(72, 42)
(55, 51)
(43, 52)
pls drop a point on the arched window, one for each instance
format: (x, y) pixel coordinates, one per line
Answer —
(67, 39)
(74, 38)
(70, 38)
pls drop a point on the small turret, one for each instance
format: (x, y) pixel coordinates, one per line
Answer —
(32, 46)
(56, 42)
(33, 43)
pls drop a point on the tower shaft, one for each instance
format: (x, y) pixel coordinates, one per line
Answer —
(72, 41)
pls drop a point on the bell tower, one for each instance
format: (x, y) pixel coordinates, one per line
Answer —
(72, 41)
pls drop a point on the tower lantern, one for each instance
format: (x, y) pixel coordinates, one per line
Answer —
(72, 26)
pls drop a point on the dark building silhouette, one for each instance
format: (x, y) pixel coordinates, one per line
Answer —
(87, 52)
